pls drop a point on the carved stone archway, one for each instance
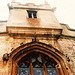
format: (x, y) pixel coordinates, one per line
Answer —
(20, 52)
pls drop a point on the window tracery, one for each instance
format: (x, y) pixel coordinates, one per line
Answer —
(40, 64)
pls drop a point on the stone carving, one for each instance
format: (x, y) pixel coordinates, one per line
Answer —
(6, 57)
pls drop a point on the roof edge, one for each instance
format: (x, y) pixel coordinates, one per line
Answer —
(67, 26)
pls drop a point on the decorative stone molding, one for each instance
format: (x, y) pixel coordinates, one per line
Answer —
(6, 57)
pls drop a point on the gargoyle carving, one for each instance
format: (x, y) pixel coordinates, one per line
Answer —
(6, 57)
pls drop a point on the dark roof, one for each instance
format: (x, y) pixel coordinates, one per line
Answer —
(3, 21)
(67, 27)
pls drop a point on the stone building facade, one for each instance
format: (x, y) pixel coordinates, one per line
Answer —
(33, 32)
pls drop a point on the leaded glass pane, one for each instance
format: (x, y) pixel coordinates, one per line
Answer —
(49, 66)
(51, 71)
(37, 66)
(33, 60)
(38, 71)
(39, 59)
(23, 71)
(23, 66)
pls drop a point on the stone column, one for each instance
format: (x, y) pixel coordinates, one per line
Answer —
(45, 69)
(31, 69)
(59, 70)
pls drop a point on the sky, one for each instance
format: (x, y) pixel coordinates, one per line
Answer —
(65, 9)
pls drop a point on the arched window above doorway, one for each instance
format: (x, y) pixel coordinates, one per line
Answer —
(46, 54)
(39, 63)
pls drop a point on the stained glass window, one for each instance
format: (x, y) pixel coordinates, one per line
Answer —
(33, 60)
(51, 71)
(38, 71)
(38, 61)
(50, 66)
(37, 65)
(23, 71)
(23, 66)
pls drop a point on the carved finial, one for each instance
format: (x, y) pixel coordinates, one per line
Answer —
(53, 9)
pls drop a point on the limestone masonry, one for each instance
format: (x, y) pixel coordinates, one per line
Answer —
(28, 25)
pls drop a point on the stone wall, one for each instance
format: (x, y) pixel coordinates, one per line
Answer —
(8, 44)
(68, 48)
(45, 17)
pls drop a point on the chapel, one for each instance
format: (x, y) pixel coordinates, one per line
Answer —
(33, 42)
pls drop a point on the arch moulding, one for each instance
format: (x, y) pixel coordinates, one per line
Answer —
(56, 55)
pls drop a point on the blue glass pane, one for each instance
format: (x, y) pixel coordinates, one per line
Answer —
(38, 71)
(23, 71)
(49, 66)
(37, 66)
(51, 71)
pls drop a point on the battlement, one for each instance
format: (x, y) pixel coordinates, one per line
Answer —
(18, 5)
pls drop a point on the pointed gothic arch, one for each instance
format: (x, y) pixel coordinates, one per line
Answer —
(49, 50)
